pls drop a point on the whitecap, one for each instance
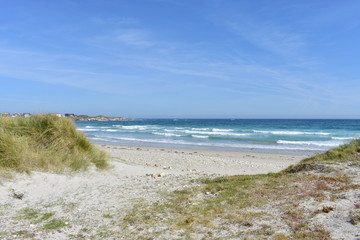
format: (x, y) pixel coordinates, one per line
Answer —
(167, 134)
(222, 130)
(87, 129)
(217, 133)
(199, 136)
(135, 127)
(170, 130)
(316, 143)
(291, 132)
(343, 138)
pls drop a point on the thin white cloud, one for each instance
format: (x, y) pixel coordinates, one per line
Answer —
(269, 38)
(172, 67)
(134, 37)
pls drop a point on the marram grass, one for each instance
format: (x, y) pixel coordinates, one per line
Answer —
(45, 143)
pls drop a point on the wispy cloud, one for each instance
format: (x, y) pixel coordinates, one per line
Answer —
(134, 37)
(119, 39)
(269, 38)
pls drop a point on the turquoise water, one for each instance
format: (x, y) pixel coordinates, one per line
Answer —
(260, 135)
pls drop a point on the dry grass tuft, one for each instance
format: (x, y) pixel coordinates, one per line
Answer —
(45, 143)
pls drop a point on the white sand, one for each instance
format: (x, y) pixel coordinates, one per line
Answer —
(204, 161)
(83, 200)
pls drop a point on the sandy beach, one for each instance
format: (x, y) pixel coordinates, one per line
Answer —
(137, 174)
(93, 204)
(203, 161)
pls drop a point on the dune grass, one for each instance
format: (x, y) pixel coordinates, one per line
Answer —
(246, 206)
(345, 153)
(45, 143)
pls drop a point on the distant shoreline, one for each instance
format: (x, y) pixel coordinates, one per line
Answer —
(85, 118)
(73, 117)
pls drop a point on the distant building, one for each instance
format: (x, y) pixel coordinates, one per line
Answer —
(60, 115)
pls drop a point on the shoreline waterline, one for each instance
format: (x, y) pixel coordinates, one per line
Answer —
(251, 135)
(207, 148)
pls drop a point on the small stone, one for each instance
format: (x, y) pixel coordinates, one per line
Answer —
(355, 218)
(327, 209)
(357, 205)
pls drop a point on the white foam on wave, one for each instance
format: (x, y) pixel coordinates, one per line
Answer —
(181, 142)
(343, 138)
(167, 134)
(216, 133)
(170, 130)
(222, 130)
(200, 129)
(291, 132)
(134, 127)
(316, 143)
(110, 130)
(199, 136)
(87, 129)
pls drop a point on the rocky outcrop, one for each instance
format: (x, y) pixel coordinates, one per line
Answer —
(95, 118)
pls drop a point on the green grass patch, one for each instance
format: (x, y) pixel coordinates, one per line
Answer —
(46, 216)
(106, 215)
(34, 215)
(29, 214)
(55, 224)
(46, 143)
(345, 153)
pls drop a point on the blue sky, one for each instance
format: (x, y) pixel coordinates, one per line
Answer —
(181, 59)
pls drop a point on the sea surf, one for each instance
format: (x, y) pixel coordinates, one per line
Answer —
(296, 136)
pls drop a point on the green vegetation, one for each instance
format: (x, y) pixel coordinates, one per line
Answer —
(46, 143)
(29, 214)
(46, 216)
(346, 152)
(107, 215)
(35, 216)
(246, 205)
(55, 224)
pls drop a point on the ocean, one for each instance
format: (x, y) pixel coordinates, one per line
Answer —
(295, 136)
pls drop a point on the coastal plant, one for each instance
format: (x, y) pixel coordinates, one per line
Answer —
(346, 152)
(349, 153)
(249, 205)
(55, 224)
(46, 143)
